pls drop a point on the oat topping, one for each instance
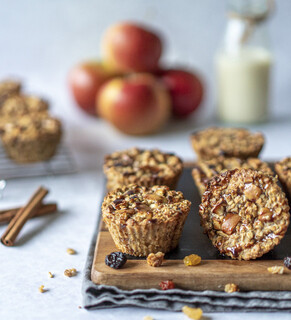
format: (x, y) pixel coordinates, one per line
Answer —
(134, 204)
(207, 169)
(143, 167)
(71, 251)
(18, 105)
(70, 272)
(7, 89)
(27, 128)
(276, 270)
(244, 212)
(155, 259)
(231, 287)
(227, 142)
(50, 275)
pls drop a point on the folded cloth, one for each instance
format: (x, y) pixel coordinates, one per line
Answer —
(100, 296)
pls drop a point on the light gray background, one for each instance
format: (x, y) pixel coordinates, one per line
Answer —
(39, 41)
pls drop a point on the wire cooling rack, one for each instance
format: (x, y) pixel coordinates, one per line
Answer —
(61, 163)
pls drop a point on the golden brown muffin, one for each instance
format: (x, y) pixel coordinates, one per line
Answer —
(7, 89)
(30, 139)
(205, 170)
(244, 213)
(145, 220)
(142, 167)
(283, 170)
(227, 142)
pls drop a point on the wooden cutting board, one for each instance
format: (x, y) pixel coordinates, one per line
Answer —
(212, 274)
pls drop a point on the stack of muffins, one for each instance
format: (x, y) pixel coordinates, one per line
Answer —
(142, 211)
(243, 210)
(28, 132)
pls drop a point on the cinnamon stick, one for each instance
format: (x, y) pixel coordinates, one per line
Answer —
(44, 209)
(22, 215)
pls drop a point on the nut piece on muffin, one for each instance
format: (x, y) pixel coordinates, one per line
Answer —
(227, 142)
(143, 167)
(205, 170)
(283, 170)
(244, 213)
(28, 139)
(8, 88)
(144, 220)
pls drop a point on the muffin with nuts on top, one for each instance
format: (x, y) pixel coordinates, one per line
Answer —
(244, 213)
(144, 220)
(28, 139)
(207, 169)
(142, 167)
(227, 142)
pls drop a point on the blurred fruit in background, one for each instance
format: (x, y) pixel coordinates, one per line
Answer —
(129, 88)
(137, 104)
(130, 47)
(186, 91)
(85, 80)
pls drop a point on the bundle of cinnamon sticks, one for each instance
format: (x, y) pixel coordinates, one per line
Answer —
(17, 217)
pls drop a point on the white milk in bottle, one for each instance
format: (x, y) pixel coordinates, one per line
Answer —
(243, 67)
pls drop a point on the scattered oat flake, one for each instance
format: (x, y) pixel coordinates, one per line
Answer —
(41, 289)
(51, 275)
(192, 260)
(148, 318)
(276, 270)
(192, 313)
(70, 272)
(231, 287)
(71, 251)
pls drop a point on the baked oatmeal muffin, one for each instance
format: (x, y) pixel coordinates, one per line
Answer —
(144, 220)
(142, 167)
(205, 170)
(7, 89)
(283, 170)
(244, 213)
(227, 142)
(18, 105)
(30, 139)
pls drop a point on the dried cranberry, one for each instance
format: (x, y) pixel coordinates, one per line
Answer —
(166, 285)
(287, 262)
(115, 260)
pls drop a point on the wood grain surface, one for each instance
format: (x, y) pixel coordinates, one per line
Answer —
(209, 275)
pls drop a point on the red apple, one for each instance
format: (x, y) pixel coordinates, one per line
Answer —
(186, 91)
(137, 104)
(131, 47)
(85, 80)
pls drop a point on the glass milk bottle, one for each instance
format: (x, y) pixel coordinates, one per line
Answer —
(244, 62)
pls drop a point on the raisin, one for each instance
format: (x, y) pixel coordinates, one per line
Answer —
(166, 285)
(192, 313)
(287, 262)
(192, 260)
(115, 260)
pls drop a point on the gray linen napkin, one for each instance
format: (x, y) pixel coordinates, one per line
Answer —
(100, 296)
